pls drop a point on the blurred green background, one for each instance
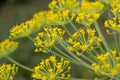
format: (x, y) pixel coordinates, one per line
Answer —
(14, 12)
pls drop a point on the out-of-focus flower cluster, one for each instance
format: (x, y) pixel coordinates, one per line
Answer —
(24, 29)
(7, 46)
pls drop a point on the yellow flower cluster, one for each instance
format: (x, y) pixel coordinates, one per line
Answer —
(113, 24)
(89, 12)
(91, 7)
(105, 67)
(51, 69)
(7, 46)
(49, 18)
(61, 5)
(83, 40)
(24, 29)
(116, 8)
(8, 71)
(45, 40)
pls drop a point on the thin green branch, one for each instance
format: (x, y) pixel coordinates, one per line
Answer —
(104, 42)
(73, 61)
(73, 25)
(68, 32)
(20, 65)
(61, 52)
(72, 78)
(101, 35)
(29, 37)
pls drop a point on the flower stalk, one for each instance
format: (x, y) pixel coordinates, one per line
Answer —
(20, 65)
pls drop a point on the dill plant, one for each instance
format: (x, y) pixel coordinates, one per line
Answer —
(85, 46)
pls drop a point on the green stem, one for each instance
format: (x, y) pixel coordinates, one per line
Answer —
(73, 61)
(116, 41)
(96, 53)
(101, 48)
(87, 58)
(101, 35)
(83, 56)
(70, 58)
(20, 65)
(74, 27)
(72, 78)
(67, 30)
(58, 55)
(91, 55)
(108, 10)
(105, 78)
(67, 56)
(119, 41)
(114, 35)
(104, 42)
(29, 37)
(74, 56)
(79, 79)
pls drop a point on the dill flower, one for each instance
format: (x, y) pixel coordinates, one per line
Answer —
(24, 29)
(61, 5)
(105, 67)
(63, 17)
(44, 41)
(113, 24)
(52, 69)
(83, 40)
(8, 71)
(116, 8)
(87, 19)
(89, 12)
(94, 7)
(46, 18)
(50, 18)
(7, 46)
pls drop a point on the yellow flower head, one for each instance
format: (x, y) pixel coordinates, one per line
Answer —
(7, 46)
(61, 5)
(44, 41)
(8, 71)
(45, 17)
(105, 67)
(49, 18)
(113, 24)
(89, 12)
(83, 40)
(116, 8)
(51, 69)
(24, 29)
